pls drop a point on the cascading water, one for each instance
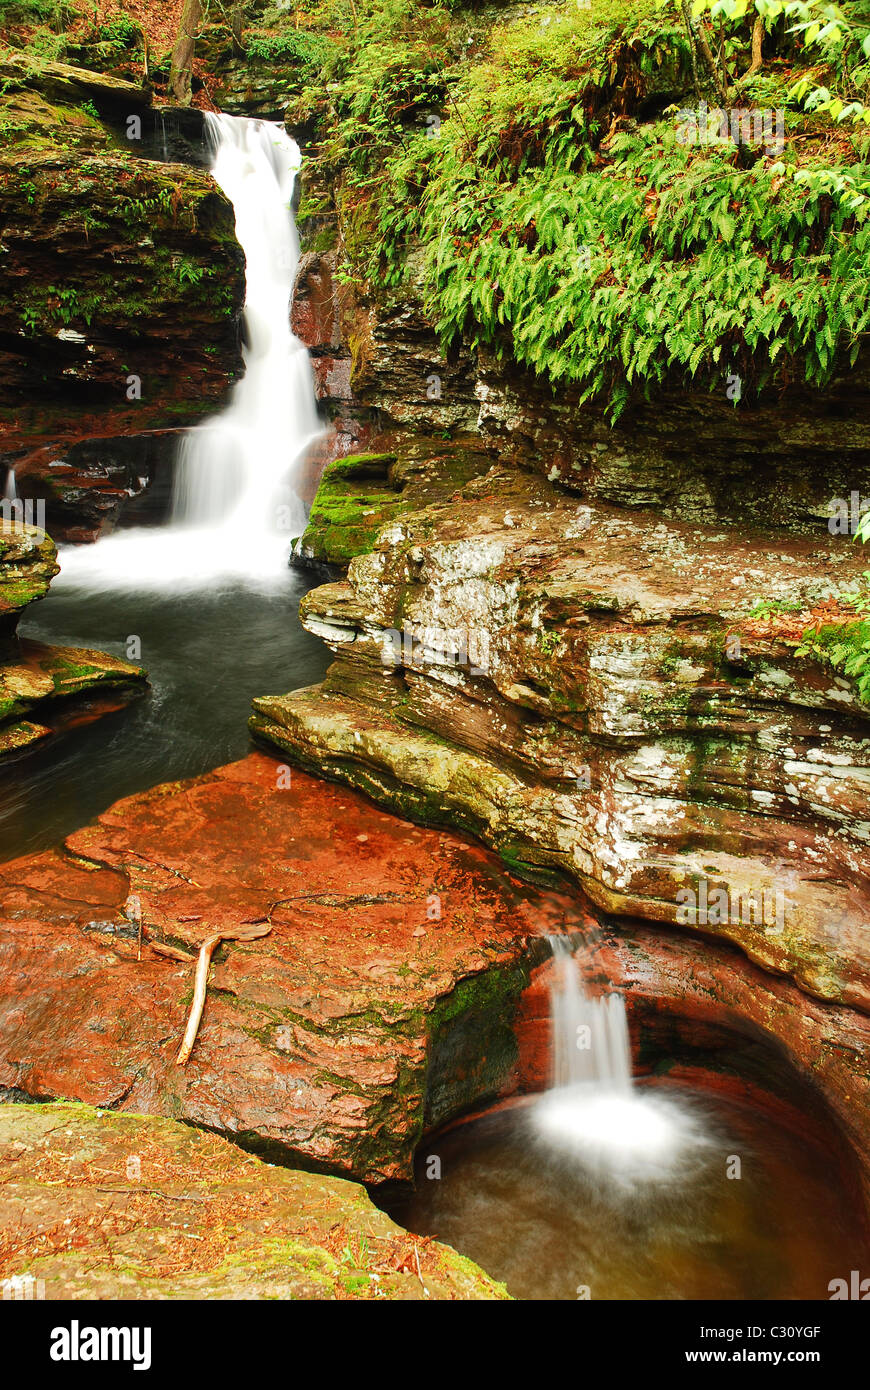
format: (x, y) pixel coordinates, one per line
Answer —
(590, 1036)
(9, 491)
(235, 510)
(593, 1110)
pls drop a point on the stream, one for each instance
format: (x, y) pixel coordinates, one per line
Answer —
(207, 653)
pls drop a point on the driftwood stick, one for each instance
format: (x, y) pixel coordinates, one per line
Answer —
(172, 951)
(200, 982)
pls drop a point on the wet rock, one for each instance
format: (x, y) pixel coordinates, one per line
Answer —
(559, 680)
(92, 485)
(101, 1205)
(28, 563)
(779, 461)
(360, 493)
(34, 677)
(62, 82)
(333, 1041)
(121, 286)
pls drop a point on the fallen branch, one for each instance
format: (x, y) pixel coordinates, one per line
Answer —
(172, 951)
(200, 983)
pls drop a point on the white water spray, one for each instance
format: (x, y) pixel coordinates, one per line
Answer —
(593, 1112)
(235, 510)
(10, 493)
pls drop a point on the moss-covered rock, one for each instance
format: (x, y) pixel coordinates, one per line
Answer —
(362, 493)
(121, 281)
(108, 1206)
(33, 677)
(28, 563)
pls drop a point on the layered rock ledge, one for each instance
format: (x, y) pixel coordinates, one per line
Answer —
(403, 983)
(36, 681)
(574, 684)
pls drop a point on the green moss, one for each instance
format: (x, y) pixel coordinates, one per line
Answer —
(345, 518)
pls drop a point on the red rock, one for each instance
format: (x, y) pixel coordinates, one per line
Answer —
(332, 1040)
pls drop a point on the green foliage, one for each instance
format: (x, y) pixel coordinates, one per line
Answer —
(187, 272)
(846, 646)
(677, 260)
(604, 263)
(306, 52)
(768, 607)
(840, 34)
(549, 642)
(54, 12)
(120, 30)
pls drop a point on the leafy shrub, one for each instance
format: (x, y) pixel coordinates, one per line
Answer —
(35, 12)
(605, 265)
(305, 51)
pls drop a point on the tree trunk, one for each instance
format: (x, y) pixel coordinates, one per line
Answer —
(181, 67)
(757, 37)
(237, 23)
(698, 40)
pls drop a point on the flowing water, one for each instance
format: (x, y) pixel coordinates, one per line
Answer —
(603, 1188)
(593, 1112)
(209, 597)
(552, 1227)
(235, 511)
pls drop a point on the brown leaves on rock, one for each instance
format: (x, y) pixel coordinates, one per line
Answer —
(790, 627)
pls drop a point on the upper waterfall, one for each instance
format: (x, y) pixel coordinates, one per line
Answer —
(235, 508)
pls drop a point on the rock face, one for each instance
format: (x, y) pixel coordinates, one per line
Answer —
(35, 677)
(378, 1006)
(90, 485)
(779, 461)
(121, 284)
(573, 685)
(100, 1205)
(28, 563)
(359, 494)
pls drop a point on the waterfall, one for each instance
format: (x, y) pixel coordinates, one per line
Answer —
(235, 510)
(590, 1036)
(10, 493)
(593, 1112)
(235, 469)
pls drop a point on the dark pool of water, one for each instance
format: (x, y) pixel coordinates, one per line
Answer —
(550, 1227)
(207, 653)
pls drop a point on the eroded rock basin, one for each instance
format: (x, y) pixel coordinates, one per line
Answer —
(736, 1204)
